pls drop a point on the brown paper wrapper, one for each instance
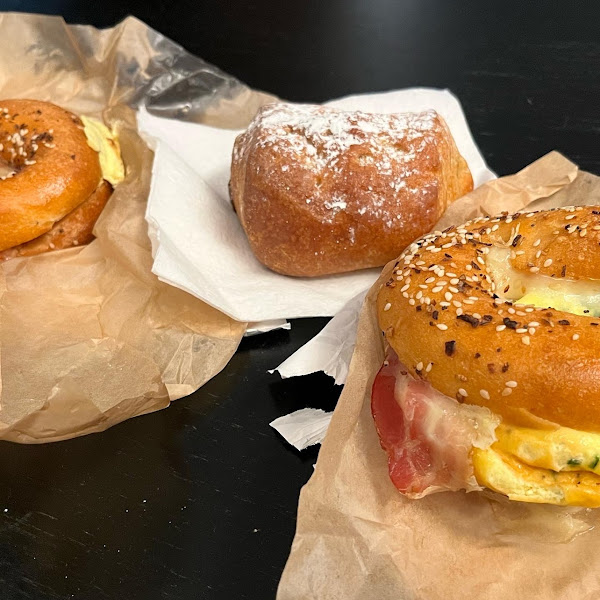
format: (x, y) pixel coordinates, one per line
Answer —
(89, 337)
(357, 538)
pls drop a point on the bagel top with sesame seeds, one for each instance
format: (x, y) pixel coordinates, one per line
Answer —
(54, 170)
(504, 312)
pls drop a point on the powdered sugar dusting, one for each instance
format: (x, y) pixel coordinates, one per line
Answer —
(336, 204)
(361, 164)
(325, 133)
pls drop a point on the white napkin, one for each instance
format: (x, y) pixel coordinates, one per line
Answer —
(303, 428)
(198, 243)
(331, 349)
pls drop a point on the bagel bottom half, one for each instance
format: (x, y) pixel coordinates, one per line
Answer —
(75, 229)
(500, 315)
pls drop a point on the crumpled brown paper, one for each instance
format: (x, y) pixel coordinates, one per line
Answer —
(88, 336)
(357, 538)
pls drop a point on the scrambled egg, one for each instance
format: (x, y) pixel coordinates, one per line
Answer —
(105, 142)
(559, 466)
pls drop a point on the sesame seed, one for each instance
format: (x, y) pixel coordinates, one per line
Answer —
(462, 392)
(468, 267)
(533, 324)
(484, 394)
(405, 287)
(534, 269)
(525, 340)
(457, 303)
(511, 384)
(531, 330)
(537, 242)
(412, 302)
(582, 233)
(437, 289)
(448, 296)
(547, 262)
(495, 227)
(454, 281)
(500, 327)
(446, 304)
(477, 315)
(430, 280)
(428, 367)
(575, 336)
(441, 326)
(521, 330)
(459, 311)
(419, 366)
(570, 217)
(387, 307)
(596, 227)
(405, 294)
(480, 260)
(506, 392)
(520, 252)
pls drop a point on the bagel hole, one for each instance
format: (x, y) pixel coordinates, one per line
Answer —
(581, 297)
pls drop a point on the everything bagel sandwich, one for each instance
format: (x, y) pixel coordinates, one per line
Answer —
(60, 170)
(492, 373)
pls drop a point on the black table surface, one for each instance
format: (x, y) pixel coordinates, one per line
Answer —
(199, 500)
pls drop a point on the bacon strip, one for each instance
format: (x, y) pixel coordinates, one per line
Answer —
(428, 436)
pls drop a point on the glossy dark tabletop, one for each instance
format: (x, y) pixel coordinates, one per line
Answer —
(199, 500)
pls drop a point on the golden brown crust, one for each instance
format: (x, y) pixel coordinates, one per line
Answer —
(73, 230)
(439, 313)
(321, 191)
(56, 170)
